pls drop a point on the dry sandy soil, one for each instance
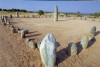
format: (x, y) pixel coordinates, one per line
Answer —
(14, 52)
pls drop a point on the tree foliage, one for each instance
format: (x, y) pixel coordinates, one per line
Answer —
(40, 12)
(96, 14)
(78, 14)
(14, 10)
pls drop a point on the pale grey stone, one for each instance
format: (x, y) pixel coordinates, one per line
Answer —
(38, 44)
(22, 34)
(56, 13)
(93, 30)
(72, 48)
(31, 44)
(84, 42)
(48, 50)
(25, 31)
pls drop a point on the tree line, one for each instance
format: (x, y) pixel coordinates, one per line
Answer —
(14, 10)
(97, 14)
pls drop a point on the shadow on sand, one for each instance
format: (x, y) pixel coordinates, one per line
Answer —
(63, 53)
(97, 33)
(32, 34)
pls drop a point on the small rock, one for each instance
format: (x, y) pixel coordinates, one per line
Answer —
(32, 44)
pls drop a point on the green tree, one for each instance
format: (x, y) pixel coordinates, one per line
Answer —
(96, 14)
(78, 14)
(40, 12)
(0, 9)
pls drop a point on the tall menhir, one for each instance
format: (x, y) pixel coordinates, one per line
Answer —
(56, 13)
(17, 14)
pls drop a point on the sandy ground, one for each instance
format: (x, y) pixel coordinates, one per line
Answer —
(14, 52)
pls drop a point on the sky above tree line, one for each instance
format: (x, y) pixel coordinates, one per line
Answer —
(48, 5)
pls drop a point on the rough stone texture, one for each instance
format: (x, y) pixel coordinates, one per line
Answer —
(38, 44)
(48, 50)
(56, 13)
(25, 31)
(31, 44)
(93, 30)
(5, 19)
(72, 48)
(84, 42)
(22, 34)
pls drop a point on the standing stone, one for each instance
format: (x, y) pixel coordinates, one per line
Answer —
(5, 20)
(84, 42)
(93, 30)
(2, 18)
(22, 34)
(92, 33)
(48, 50)
(72, 49)
(17, 14)
(56, 13)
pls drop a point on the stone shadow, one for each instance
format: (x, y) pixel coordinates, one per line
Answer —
(97, 33)
(32, 34)
(61, 55)
(79, 47)
(58, 44)
(91, 42)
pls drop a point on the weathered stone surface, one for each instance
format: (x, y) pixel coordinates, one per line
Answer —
(22, 34)
(38, 44)
(93, 30)
(72, 48)
(25, 31)
(31, 44)
(56, 13)
(48, 50)
(84, 42)
(5, 19)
